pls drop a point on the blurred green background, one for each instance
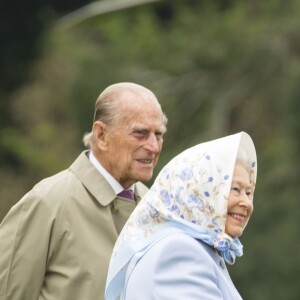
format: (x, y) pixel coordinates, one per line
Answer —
(217, 67)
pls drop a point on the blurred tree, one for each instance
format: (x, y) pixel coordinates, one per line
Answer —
(22, 25)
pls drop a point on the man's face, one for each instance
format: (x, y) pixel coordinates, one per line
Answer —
(134, 144)
(240, 202)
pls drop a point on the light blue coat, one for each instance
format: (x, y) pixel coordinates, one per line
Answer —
(180, 267)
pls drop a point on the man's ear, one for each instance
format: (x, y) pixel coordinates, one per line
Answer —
(100, 135)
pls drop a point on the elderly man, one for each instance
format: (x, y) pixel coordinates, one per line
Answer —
(56, 242)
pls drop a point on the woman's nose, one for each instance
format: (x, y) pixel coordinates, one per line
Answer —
(245, 201)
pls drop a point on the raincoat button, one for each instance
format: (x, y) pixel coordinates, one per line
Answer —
(222, 264)
(113, 208)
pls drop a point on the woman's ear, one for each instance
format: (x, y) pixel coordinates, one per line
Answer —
(100, 135)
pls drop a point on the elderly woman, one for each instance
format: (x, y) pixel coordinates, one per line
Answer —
(176, 242)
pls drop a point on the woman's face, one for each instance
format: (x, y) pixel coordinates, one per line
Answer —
(240, 202)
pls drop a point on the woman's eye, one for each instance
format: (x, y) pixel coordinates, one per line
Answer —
(235, 191)
(159, 136)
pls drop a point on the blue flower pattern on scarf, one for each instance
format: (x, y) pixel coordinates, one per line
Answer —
(189, 195)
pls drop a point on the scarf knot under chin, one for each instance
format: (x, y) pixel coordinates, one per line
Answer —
(228, 247)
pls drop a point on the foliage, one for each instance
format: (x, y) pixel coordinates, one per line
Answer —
(217, 67)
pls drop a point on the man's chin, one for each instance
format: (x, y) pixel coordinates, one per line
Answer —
(145, 177)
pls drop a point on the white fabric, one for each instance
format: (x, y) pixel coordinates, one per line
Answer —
(190, 196)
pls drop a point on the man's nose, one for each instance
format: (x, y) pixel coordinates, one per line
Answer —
(153, 144)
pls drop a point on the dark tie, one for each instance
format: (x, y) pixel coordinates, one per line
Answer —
(128, 194)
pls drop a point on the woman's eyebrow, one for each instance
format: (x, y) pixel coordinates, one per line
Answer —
(241, 183)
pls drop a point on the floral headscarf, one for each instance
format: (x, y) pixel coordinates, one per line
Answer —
(189, 195)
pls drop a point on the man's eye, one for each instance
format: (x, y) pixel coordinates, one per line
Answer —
(139, 134)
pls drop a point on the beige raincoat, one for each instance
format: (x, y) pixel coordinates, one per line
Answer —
(56, 242)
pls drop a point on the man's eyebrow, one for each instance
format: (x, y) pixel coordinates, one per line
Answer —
(140, 128)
